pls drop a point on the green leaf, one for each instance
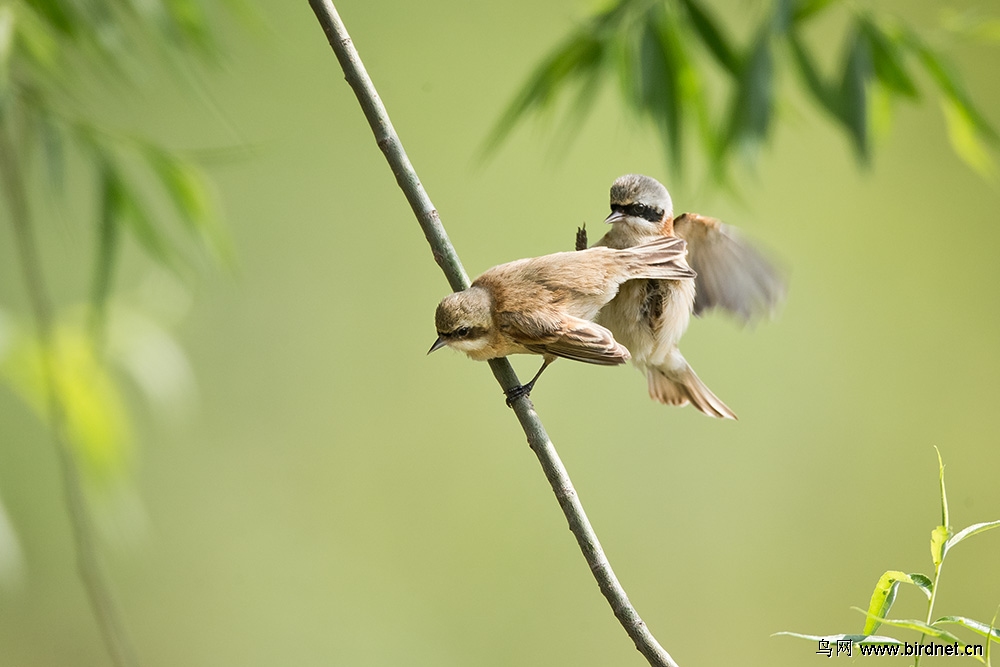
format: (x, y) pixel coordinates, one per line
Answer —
(659, 87)
(945, 519)
(912, 624)
(580, 56)
(974, 529)
(965, 139)
(128, 207)
(946, 77)
(807, 9)
(96, 420)
(923, 629)
(980, 628)
(757, 89)
(887, 60)
(188, 23)
(109, 232)
(923, 582)
(750, 112)
(882, 598)
(39, 43)
(939, 537)
(711, 35)
(854, 94)
(58, 14)
(855, 639)
(188, 190)
(820, 90)
(782, 16)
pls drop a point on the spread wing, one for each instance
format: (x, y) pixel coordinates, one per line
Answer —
(732, 274)
(563, 336)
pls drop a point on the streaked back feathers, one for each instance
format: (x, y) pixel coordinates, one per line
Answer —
(545, 305)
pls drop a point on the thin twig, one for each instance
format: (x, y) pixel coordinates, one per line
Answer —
(447, 258)
(97, 586)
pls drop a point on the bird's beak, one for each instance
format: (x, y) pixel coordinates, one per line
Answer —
(614, 217)
(438, 344)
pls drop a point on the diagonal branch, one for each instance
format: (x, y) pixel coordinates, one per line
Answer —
(447, 258)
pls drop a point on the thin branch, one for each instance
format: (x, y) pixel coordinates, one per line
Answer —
(97, 586)
(447, 258)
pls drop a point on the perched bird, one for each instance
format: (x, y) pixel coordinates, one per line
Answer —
(545, 305)
(650, 316)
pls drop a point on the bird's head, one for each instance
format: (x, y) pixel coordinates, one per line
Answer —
(464, 321)
(642, 204)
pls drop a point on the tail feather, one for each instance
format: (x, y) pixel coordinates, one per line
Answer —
(662, 259)
(682, 386)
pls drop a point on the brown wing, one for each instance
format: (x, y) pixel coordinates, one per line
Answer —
(732, 274)
(563, 336)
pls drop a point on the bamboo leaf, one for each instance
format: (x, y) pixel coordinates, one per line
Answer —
(980, 628)
(109, 232)
(854, 94)
(97, 424)
(948, 80)
(691, 90)
(59, 15)
(712, 36)
(580, 56)
(37, 41)
(188, 21)
(945, 519)
(887, 60)
(807, 9)
(131, 211)
(923, 582)
(757, 89)
(820, 90)
(750, 114)
(918, 626)
(939, 537)
(854, 639)
(188, 189)
(925, 629)
(882, 598)
(965, 533)
(659, 85)
(964, 137)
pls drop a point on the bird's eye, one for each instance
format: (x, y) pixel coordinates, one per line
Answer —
(463, 332)
(639, 208)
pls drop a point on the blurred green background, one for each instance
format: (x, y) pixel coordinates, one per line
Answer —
(331, 495)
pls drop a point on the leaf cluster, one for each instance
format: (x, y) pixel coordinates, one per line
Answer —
(665, 53)
(943, 539)
(142, 190)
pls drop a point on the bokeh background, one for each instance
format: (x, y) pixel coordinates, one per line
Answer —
(330, 495)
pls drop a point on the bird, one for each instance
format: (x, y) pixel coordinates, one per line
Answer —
(546, 305)
(649, 316)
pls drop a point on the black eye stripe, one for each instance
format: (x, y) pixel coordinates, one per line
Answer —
(651, 213)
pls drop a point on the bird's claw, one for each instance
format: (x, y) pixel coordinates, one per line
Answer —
(517, 392)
